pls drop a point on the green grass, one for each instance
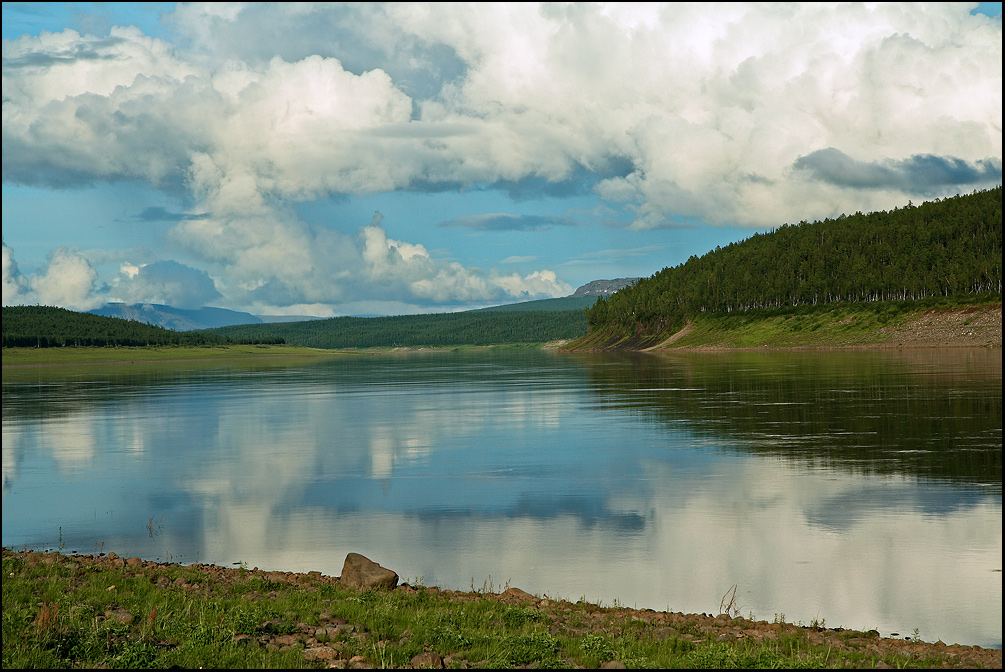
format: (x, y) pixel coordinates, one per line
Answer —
(167, 353)
(72, 611)
(826, 325)
(213, 355)
(842, 326)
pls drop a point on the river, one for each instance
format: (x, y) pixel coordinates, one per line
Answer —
(859, 489)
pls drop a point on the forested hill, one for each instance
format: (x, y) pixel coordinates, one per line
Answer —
(944, 248)
(438, 329)
(47, 326)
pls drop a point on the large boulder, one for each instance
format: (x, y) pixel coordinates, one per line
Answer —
(361, 572)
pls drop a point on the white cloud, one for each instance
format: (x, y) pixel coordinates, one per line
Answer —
(68, 281)
(166, 282)
(715, 113)
(14, 284)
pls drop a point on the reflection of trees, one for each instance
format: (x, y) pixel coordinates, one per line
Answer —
(869, 412)
(928, 415)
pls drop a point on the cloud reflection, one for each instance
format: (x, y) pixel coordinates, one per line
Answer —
(453, 471)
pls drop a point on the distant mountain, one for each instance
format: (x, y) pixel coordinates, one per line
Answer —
(180, 319)
(177, 319)
(604, 287)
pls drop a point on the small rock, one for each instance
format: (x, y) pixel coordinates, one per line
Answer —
(613, 665)
(320, 653)
(427, 660)
(121, 616)
(518, 594)
(326, 631)
(286, 640)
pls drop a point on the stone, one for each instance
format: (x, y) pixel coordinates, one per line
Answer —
(286, 640)
(518, 594)
(361, 572)
(427, 660)
(121, 616)
(320, 653)
(328, 631)
(359, 663)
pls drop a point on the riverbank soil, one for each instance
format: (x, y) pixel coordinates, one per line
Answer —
(336, 638)
(973, 326)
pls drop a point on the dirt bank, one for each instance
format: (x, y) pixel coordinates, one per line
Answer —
(948, 327)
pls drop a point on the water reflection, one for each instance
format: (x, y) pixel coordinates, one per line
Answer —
(864, 488)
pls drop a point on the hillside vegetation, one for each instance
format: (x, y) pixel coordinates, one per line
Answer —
(47, 326)
(948, 249)
(440, 329)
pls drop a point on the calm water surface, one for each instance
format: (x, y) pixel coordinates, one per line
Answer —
(861, 488)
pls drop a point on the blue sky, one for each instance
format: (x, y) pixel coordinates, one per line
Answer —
(401, 158)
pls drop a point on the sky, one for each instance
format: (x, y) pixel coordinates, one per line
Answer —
(386, 159)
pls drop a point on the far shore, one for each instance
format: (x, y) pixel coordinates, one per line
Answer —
(960, 327)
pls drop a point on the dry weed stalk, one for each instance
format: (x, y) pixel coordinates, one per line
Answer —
(730, 608)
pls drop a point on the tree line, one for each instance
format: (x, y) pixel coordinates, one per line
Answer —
(439, 329)
(48, 326)
(944, 248)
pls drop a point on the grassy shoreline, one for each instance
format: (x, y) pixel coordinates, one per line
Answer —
(854, 325)
(23, 358)
(105, 611)
(31, 357)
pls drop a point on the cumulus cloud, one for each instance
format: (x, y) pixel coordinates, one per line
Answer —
(15, 285)
(676, 113)
(68, 281)
(166, 282)
(392, 261)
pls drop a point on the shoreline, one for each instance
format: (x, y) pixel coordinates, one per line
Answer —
(585, 623)
(974, 326)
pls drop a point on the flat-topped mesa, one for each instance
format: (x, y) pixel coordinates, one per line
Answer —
(604, 287)
(361, 572)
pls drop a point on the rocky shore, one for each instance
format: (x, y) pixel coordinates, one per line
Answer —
(315, 639)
